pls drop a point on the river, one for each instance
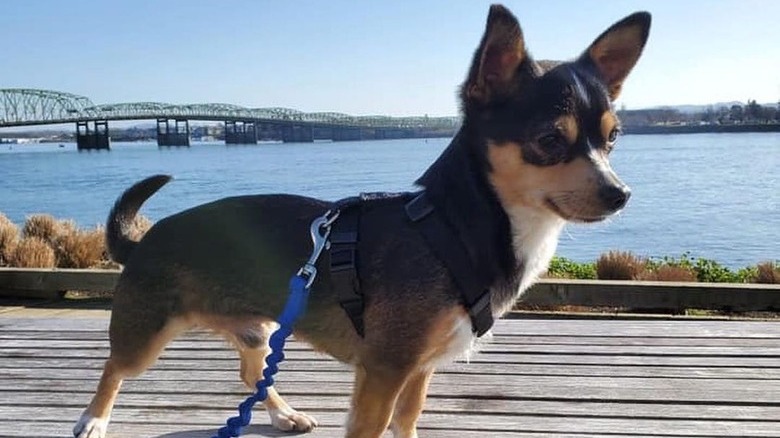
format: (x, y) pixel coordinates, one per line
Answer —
(712, 195)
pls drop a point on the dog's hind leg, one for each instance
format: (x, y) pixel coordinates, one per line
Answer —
(253, 347)
(373, 400)
(135, 345)
(410, 404)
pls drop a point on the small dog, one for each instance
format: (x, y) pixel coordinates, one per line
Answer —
(531, 155)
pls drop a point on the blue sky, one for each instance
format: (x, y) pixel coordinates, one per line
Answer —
(402, 57)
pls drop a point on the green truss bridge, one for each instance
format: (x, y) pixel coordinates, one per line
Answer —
(29, 107)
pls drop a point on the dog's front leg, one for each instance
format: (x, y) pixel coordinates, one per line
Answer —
(373, 401)
(410, 404)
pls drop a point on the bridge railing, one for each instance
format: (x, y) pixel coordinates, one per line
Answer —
(22, 107)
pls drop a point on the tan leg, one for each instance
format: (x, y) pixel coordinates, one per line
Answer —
(129, 357)
(373, 400)
(283, 417)
(410, 405)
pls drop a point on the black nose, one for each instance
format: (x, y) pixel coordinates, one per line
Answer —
(614, 197)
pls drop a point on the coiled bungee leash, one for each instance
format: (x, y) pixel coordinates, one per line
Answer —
(300, 284)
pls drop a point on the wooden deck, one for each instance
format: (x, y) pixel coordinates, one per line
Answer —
(539, 377)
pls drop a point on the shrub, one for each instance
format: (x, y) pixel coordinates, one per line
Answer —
(33, 252)
(42, 226)
(80, 249)
(9, 237)
(668, 273)
(561, 267)
(767, 273)
(713, 272)
(619, 265)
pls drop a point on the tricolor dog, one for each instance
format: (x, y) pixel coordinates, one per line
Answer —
(531, 154)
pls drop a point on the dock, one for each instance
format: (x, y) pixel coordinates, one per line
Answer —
(539, 376)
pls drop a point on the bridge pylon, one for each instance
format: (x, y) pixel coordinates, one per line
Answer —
(96, 138)
(240, 132)
(176, 134)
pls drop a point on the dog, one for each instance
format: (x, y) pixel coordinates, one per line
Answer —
(530, 156)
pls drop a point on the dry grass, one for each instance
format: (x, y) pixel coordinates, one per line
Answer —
(42, 226)
(768, 273)
(80, 249)
(71, 246)
(9, 237)
(33, 252)
(619, 265)
(668, 273)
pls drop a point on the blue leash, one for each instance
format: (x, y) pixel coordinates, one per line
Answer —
(300, 284)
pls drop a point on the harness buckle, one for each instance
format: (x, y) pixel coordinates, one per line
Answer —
(320, 230)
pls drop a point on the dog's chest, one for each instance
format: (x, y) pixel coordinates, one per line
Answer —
(534, 239)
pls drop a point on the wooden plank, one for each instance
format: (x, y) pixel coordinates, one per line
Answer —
(511, 370)
(475, 360)
(506, 327)
(617, 390)
(219, 349)
(541, 357)
(300, 375)
(182, 429)
(436, 403)
(538, 378)
(211, 339)
(213, 418)
(192, 379)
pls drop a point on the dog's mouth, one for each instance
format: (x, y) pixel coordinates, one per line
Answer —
(555, 208)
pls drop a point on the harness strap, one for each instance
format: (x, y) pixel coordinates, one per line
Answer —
(343, 264)
(450, 250)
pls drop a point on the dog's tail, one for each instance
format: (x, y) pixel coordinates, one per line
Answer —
(120, 220)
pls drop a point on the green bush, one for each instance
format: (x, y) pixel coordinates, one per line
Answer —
(704, 270)
(561, 267)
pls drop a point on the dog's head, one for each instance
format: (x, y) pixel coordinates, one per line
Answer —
(549, 127)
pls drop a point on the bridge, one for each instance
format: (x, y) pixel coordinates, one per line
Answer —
(30, 107)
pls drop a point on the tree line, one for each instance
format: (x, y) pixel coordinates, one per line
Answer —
(736, 114)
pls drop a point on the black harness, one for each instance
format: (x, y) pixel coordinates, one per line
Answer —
(438, 234)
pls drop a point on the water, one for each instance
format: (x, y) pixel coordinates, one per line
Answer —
(713, 195)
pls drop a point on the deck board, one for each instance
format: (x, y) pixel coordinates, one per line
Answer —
(536, 378)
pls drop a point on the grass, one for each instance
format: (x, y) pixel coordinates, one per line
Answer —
(9, 238)
(33, 252)
(619, 265)
(616, 265)
(46, 242)
(768, 273)
(42, 226)
(80, 249)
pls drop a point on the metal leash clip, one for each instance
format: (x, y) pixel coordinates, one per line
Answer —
(320, 231)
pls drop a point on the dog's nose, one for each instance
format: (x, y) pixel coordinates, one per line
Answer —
(615, 197)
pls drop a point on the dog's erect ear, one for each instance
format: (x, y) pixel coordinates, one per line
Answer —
(499, 54)
(615, 51)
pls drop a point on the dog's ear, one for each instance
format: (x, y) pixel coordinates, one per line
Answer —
(495, 62)
(615, 51)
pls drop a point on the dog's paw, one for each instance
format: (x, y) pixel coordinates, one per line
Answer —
(90, 427)
(291, 420)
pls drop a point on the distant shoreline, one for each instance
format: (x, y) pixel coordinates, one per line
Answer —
(629, 130)
(701, 129)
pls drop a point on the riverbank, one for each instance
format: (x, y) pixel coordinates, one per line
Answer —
(46, 242)
(700, 129)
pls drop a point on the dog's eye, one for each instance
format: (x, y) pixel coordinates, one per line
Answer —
(549, 140)
(613, 135)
